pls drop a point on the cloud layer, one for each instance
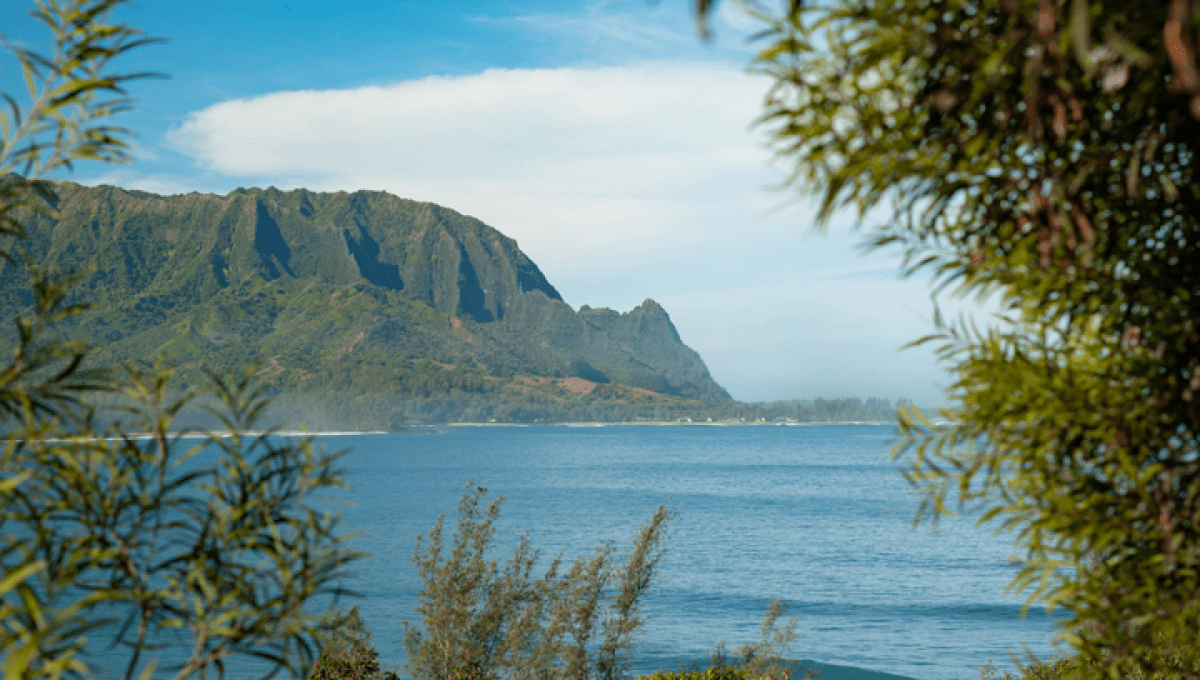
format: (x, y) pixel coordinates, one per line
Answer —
(572, 162)
(622, 183)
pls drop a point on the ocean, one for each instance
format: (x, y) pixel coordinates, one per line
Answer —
(815, 515)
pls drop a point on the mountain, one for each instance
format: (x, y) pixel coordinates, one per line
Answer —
(363, 302)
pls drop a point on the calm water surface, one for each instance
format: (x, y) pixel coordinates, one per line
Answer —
(815, 515)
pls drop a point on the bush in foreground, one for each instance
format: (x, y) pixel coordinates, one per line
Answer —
(481, 620)
(347, 652)
(1176, 663)
(710, 673)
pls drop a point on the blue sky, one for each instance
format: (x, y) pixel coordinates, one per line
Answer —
(609, 140)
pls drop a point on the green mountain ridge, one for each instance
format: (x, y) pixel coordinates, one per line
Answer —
(390, 309)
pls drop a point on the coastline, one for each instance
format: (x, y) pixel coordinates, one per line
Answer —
(432, 428)
(663, 423)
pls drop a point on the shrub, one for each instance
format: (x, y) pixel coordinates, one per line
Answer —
(710, 673)
(481, 620)
(1176, 663)
(347, 652)
(765, 658)
(762, 660)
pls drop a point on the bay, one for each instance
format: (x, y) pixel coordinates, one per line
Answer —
(816, 515)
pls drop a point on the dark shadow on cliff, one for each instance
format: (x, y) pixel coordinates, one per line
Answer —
(366, 255)
(269, 244)
(472, 300)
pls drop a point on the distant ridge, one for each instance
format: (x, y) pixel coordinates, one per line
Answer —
(387, 309)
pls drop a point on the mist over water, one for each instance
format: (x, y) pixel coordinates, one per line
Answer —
(816, 515)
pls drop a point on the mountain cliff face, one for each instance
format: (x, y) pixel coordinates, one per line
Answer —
(339, 292)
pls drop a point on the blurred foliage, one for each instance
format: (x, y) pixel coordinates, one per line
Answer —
(482, 620)
(1175, 663)
(182, 551)
(148, 534)
(1042, 154)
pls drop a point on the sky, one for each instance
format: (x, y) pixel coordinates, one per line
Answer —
(615, 145)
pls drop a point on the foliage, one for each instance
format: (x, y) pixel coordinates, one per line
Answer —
(469, 669)
(1071, 668)
(1049, 669)
(765, 658)
(481, 620)
(135, 533)
(762, 659)
(347, 652)
(1043, 153)
(710, 673)
(66, 119)
(211, 539)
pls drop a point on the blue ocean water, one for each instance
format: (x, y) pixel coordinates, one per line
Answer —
(816, 515)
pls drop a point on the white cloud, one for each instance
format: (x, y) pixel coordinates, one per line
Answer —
(586, 122)
(621, 183)
(575, 163)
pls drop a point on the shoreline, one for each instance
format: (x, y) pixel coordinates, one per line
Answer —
(712, 423)
(432, 428)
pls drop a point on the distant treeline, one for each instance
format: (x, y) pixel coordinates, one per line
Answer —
(848, 409)
(353, 412)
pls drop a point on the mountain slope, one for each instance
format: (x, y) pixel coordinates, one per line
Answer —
(343, 293)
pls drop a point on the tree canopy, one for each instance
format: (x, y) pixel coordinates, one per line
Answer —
(1041, 152)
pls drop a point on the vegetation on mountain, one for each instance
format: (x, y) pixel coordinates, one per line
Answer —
(363, 294)
(1042, 153)
(209, 547)
(364, 311)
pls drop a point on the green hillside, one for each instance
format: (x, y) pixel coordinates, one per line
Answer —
(363, 309)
